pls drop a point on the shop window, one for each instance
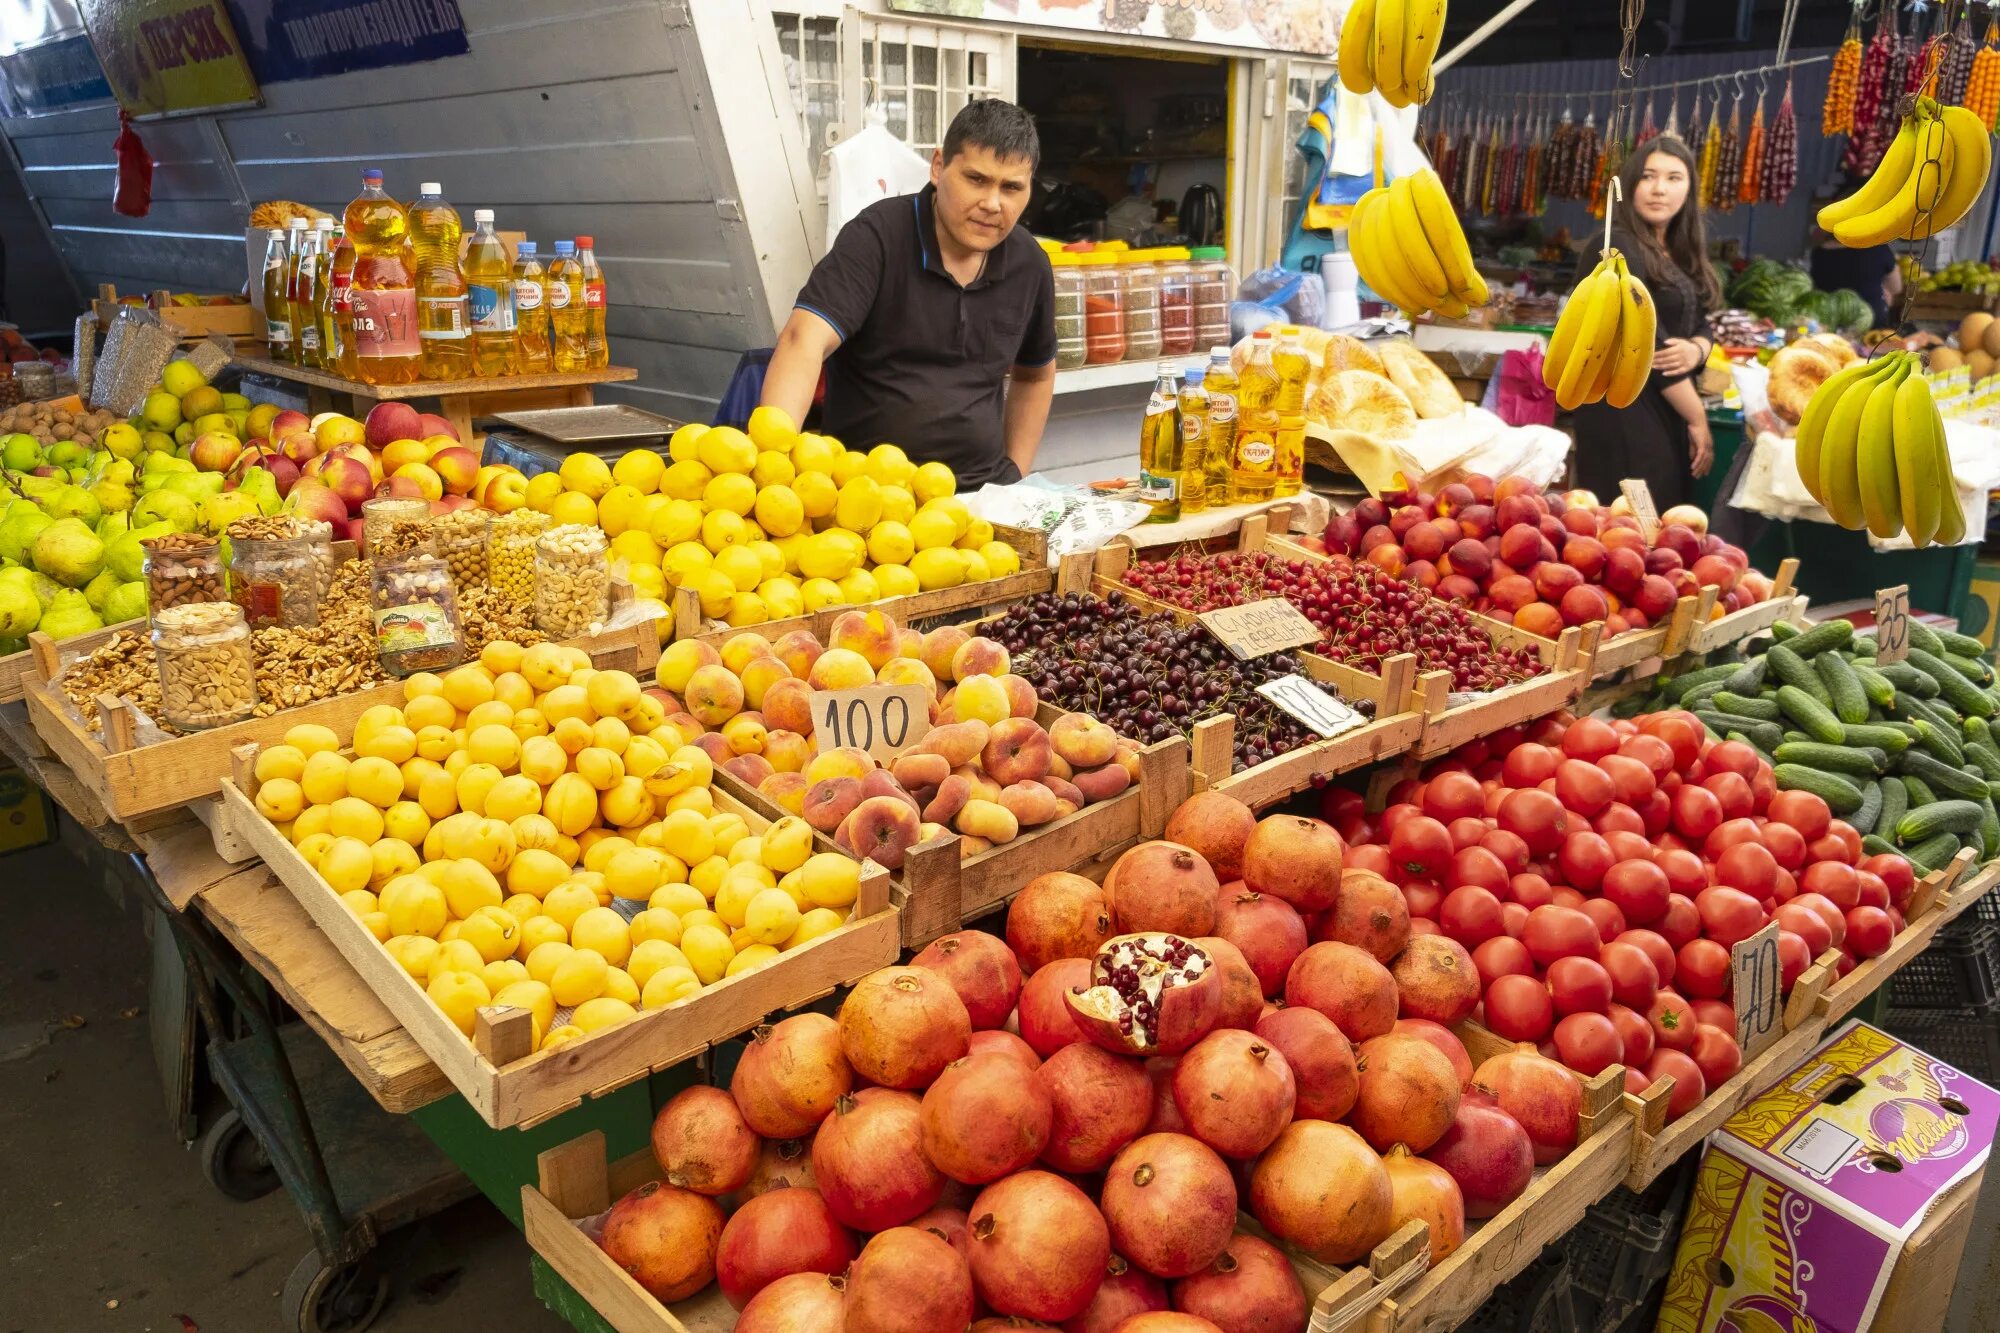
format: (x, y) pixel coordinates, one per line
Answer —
(811, 47)
(919, 76)
(1304, 80)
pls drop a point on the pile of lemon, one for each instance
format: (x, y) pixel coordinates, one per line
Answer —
(489, 831)
(776, 523)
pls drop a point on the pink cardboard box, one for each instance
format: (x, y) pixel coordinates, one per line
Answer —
(1807, 1195)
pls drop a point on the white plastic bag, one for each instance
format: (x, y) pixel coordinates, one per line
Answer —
(871, 166)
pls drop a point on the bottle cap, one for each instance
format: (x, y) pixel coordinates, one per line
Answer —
(1193, 374)
(1208, 252)
(373, 175)
(297, 224)
(1222, 352)
(583, 242)
(524, 248)
(482, 215)
(323, 224)
(430, 187)
(565, 247)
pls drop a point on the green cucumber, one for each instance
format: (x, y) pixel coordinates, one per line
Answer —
(1783, 630)
(1881, 691)
(1850, 701)
(1941, 817)
(1763, 710)
(1924, 638)
(1812, 714)
(1864, 819)
(1875, 845)
(1677, 688)
(1835, 633)
(1933, 853)
(1882, 737)
(1939, 777)
(1919, 790)
(1989, 829)
(1976, 729)
(1941, 744)
(1959, 692)
(1963, 644)
(1748, 677)
(1700, 694)
(1841, 795)
(1788, 668)
(1856, 761)
(1895, 801)
(1985, 757)
(1974, 670)
(1907, 678)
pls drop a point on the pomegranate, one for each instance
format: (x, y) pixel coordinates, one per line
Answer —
(1235, 1091)
(1242, 996)
(1124, 1292)
(994, 1041)
(1321, 1059)
(1542, 1095)
(1046, 1020)
(1162, 887)
(985, 1117)
(1250, 1288)
(796, 1303)
(1436, 979)
(1322, 1188)
(779, 1232)
(1268, 932)
(1100, 1103)
(1039, 1246)
(869, 1162)
(790, 1076)
(1425, 1192)
(1408, 1093)
(1166, 1321)
(1170, 1203)
(899, 1026)
(1442, 1037)
(1294, 858)
(908, 1281)
(701, 1142)
(665, 1238)
(1487, 1153)
(1058, 915)
(1371, 914)
(1148, 995)
(946, 1222)
(1217, 826)
(779, 1161)
(1346, 984)
(983, 971)
(1166, 1118)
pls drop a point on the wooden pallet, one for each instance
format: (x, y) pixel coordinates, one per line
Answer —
(509, 1084)
(1711, 631)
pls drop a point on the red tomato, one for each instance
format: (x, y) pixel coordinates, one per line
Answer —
(1688, 1088)
(1471, 915)
(1526, 765)
(1733, 790)
(1793, 959)
(1681, 921)
(1762, 788)
(1610, 921)
(1422, 897)
(1354, 829)
(1589, 1043)
(1589, 739)
(1634, 979)
(1895, 871)
(1519, 1008)
(1651, 751)
(1831, 848)
(1686, 873)
(1803, 811)
(1658, 812)
(1639, 889)
(1494, 795)
(1729, 915)
(1796, 918)
(1449, 796)
(1565, 896)
(1476, 866)
(1619, 817)
(1530, 890)
(1850, 835)
(1635, 1034)
(1701, 969)
(1715, 1013)
(1371, 856)
(1747, 866)
(1728, 833)
(1422, 925)
(1337, 801)
(1683, 734)
(1513, 852)
(1584, 788)
(1835, 881)
(1630, 846)
(1656, 948)
(1785, 844)
(1636, 1081)
(1716, 1054)
(1869, 934)
(1560, 932)
(1421, 846)
(1672, 1020)
(1583, 859)
(1514, 918)
(1502, 957)
(1696, 811)
(1537, 818)
(1396, 812)
(1786, 886)
(1732, 757)
(1580, 986)
(1466, 831)
(1631, 778)
(1829, 912)
(1873, 892)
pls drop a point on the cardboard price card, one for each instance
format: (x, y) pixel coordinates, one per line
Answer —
(1892, 625)
(884, 720)
(1640, 496)
(1311, 705)
(1754, 986)
(1259, 628)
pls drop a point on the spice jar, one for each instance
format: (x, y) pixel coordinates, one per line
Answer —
(273, 576)
(207, 678)
(416, 615)
(182, 568)
(572, 581)
(1069, 310)
(510, 554)
(1177, 333)
(1141, 275)
(378, 517)
(1214, 289)
(1103, 310)
(461, 538)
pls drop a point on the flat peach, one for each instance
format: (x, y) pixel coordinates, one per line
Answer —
(1020, 695)
(830, 801)
(952, 794)
(959, 742)
(1017, 751)
(1101, 784)
(884, 828)
(1083, 741)
(1029, 802)
(989, 820)
(920, 770)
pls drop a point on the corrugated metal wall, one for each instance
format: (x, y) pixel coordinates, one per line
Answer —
(591, 117)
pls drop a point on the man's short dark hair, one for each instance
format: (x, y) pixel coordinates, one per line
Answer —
(1002, 127)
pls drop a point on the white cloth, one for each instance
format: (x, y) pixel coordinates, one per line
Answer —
(1770, 484)
(871, 166)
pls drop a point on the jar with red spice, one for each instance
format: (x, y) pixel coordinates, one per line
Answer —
(1103, 309)
(1177, 333)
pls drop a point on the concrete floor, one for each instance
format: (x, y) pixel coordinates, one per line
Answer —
(109, 1223)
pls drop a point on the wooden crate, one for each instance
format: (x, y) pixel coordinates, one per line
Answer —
(1928, 912)
(131, 779)
(16, 669)
(237, 319)
(577, 1180)
(1502, 1245)
(1711, 631)
(510, 1085)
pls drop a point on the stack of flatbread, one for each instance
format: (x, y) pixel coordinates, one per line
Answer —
(1801, 367)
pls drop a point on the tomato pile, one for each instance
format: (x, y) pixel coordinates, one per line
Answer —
(1597, 873)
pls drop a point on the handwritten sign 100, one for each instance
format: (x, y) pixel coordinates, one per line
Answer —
(884, 720)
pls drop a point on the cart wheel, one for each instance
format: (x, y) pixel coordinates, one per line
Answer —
(234, 1161)
(347, 1299)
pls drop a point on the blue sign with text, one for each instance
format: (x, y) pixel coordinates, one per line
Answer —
(303, 39)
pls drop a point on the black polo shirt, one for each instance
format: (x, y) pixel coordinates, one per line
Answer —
(923, 361)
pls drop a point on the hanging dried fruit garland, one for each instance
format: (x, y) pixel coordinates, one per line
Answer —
(1711, 151)
(1750, 186)
(1781, 153)
(1867, 139)
(1955, 68)
(1729, 161)
(1983, 91)
(1836, 115)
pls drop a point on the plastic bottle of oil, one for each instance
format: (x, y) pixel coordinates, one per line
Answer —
(1294, 368)
(303, 296)
(444, 322)
(277, 304)
(596, 346)
(531, 312)
(490, 297)
(1194, 441)
(1221, 387)
(566, 311)
(386, 347)
(1160, 449)
(1253, 464)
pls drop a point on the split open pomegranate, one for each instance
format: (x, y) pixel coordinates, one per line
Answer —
(1150, 994)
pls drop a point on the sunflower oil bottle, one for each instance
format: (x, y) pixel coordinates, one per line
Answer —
(1253, 464)
(596, 346)
(489, 287)
(1194, 441)
(566, 313)
(304, 303)
(277, 303)
(387, 349)
(1160, 449)
(444, 324)
(1294, 368)
(1221, 387)
(531, 312)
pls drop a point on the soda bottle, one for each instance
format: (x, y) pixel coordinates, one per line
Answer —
(444, 324)
(566, 314)
(1294, 368)
(1160, 449)
(277, 301)
(1194, 441)
(387, 349)
(305, 317)
(596, 347)
(1220, 386)
(490, 296)
(338, 330)
(1253, 464)
(531, 312)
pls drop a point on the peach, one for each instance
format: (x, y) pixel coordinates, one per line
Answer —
(1389, 559)
(1059, 767)
(989, 820)
(1128, 757)
(1586, 555)
(687, 724)
(952, 794)
(1521, 545)
(939, 647)
(798, 649)
(907, 671)
(752, 768)
(714, 695)
(716, 746)
(910, 643)
(1553, 579)
(1404, 518)
(1426, 541)
(1468, 557)
(1539, 618)
(984, 788)
(1477, 520)
(430, 424)
(959, 742)
(788, 751)
(787, 790)
(841, 669)
(1511, 592)
(787, 706)
(1715, 571)
(979, 656)
(680, 660)
(867, 633)
(1064, 790)
(1102, 783)
(931, 831)
(1021, 695)
(915, 769)
(884, 828)
(745, 733)
(881, 782)
(830, 801)
(1030, 803)
(758, 675)
(1581, 605)
(844, 762)
(982, 699)
(413, 481)
(1422, 573)
(970, 846)
(1654, 596)
(1623, 568)
(1457, 588)
(1621, 535)
(740, 650)
(1083, 741)
(1016, 751)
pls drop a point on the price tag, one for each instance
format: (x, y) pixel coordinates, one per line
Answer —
(884, 720)
(1892, 625)
(1311, 705)
(1753, 967)
(1640, 496)
(1257, 628)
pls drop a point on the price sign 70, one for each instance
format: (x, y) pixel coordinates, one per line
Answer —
(1754, 974)
(884, 720)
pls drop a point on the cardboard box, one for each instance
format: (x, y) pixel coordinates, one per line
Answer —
(1821, 1203)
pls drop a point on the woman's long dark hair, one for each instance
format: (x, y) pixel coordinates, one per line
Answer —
(1687, 238)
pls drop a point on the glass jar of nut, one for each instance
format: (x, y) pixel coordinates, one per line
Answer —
(272, 573)
(416, 615)
(394, 526)
(572, 580)
(319, 537)
(461, 537)
(182, 568)
(207, 676)
(510, 554)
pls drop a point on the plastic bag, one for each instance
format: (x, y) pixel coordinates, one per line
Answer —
(871, 166)
(1522, 398)
(1300, 296)
(132, 192)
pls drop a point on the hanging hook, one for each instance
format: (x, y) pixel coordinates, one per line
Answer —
(1737, 79)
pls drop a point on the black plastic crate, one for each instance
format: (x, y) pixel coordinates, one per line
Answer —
(1966, 1039)
(1624, 1246)
(1538, 1299)
(1961, 970)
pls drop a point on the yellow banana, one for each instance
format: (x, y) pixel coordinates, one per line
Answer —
(1562, 344)
(1972, 157)
(1369, 259)
(1389, 48)
(1636, 325)
(1951, 513)
(1357, 48)
(1839, 466)
(1392, 255)
(1933, 163)
(1423, 27)
(1812, 422)
(1410, 242)
(1880, 188)
(1875, 457)
(1919, 486)
(1596, 337)
(1446, 237)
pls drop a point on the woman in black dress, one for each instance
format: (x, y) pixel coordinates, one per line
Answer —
(1663, 436)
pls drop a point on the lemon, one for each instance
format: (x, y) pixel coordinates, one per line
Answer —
(731, 491)
(726, 449)
(890, 466)
(685, 480)
(817, 494)
(741, 566)
(890, 543)
(819, 593)
(860, 504)
(779, 510)
(895, 580)
(773, 468)
(773, 428)
(681, 445)
(860, 587)
(572, 507)
(933, 481)
(459, 995)
(618, 509)
(826, 557)
(636, 547)
(677, 521)
(937, 567)
(714, 589)
(976, 569)
(723, 527)
(747, 608)
(933, 528)
(640, 469)
(585, 474)
(898, 504)
(782, 598)
(579, 977)
(685, 559)
(848, 465)
(542, 491)
(975, 533)
(605, 1011)
(814, 453)
(1001, 559)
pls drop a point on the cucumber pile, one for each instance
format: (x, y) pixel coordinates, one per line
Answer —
(1907, 753)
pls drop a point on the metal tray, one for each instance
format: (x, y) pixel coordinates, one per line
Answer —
(593, 425)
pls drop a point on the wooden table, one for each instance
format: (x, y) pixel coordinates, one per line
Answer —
(459, 401)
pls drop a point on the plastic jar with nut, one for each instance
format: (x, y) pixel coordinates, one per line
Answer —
(207, 676)
(416, 615)
(181, 569)
(572, 580)
(461, 537)
(319, 538)
(274, 579)
(388, 524)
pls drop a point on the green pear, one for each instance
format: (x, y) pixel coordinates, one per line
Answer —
(196, 485)
(69, 615)
(18, 531)
(176, 511)
(69, 552)
(219, 511)
(41, 585)
(20, 452)
(39, 489)
(99, 588)
(261, 486)
(75, 502)
(126, 602)
(122, 439)
(125, 554)
(113, 524)
(157, 442)
(113, 497)
(20, 610)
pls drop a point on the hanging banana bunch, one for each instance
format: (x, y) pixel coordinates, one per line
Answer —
(1602, 351)
(1934, 170)
(1871, 450)
(1409, 248)
(1387, 46)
